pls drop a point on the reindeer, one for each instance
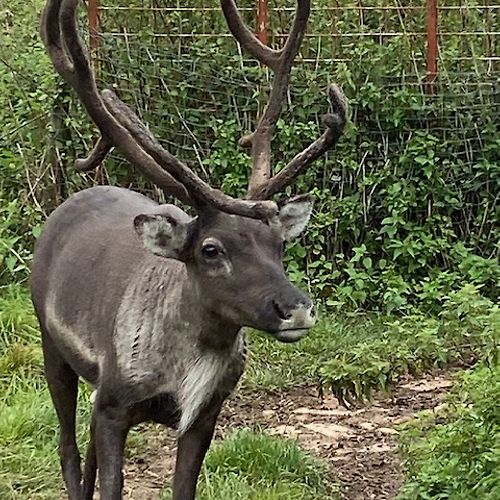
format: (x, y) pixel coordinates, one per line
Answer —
(147, 303)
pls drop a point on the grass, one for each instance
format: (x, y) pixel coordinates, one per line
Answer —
(456, 453)
(28, 444)
(352, 356)
(28, 426)
(17, 318)
(251, 465)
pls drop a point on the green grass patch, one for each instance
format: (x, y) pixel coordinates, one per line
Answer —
(17, 317)
(28, 424)
(456, 453)
(253, 466)
(29, 465)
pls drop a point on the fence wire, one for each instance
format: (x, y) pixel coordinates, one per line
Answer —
(180, 68)
(184, 74)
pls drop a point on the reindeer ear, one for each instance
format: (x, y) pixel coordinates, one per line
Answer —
(294, 215)
(162, 235)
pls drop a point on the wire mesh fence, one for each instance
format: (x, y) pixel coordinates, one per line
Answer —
(468, 31)
(180, 68)
(155, 53)
(415, 176)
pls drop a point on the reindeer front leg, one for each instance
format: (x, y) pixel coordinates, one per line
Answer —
(191, 449)
(111, 425)
(90, 471)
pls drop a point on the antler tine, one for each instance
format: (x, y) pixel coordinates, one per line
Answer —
(246, 38)
(201, 193)
(96, 156)
(281, 63)
(262, 186)
(122, 128)
(335, 123)
(60, 35)
(262, 137)
(51, 35)
(294, 40)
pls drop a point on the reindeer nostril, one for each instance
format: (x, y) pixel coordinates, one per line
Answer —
(280, 312)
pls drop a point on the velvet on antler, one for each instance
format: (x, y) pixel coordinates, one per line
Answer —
(121, 128)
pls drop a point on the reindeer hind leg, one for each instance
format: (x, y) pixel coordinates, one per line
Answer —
(90, 471)
(63, 386)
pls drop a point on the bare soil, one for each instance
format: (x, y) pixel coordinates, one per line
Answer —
(360, 443)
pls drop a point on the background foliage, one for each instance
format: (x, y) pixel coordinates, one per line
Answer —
(405, 221)
(455, 454)
(406, 205)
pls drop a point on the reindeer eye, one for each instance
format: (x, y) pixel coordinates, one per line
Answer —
(209, 251)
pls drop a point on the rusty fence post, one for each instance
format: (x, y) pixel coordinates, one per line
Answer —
(432, 44)
(262, 21)
(93, 13)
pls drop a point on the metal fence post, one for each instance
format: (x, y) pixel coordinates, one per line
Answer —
(262, 21)
(432, 44)
(93, 12)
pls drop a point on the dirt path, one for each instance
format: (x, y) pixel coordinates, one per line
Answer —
(360, 444)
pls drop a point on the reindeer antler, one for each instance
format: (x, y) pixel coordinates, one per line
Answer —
(335, 123)
(120, 126)
(261, 185)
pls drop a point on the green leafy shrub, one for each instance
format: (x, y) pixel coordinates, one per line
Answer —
(405, 206)
(456, 452)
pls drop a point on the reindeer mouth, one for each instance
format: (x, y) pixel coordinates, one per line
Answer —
(289, 336)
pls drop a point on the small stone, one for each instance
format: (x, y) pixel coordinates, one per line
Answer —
(387, 430)
(368, 426)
